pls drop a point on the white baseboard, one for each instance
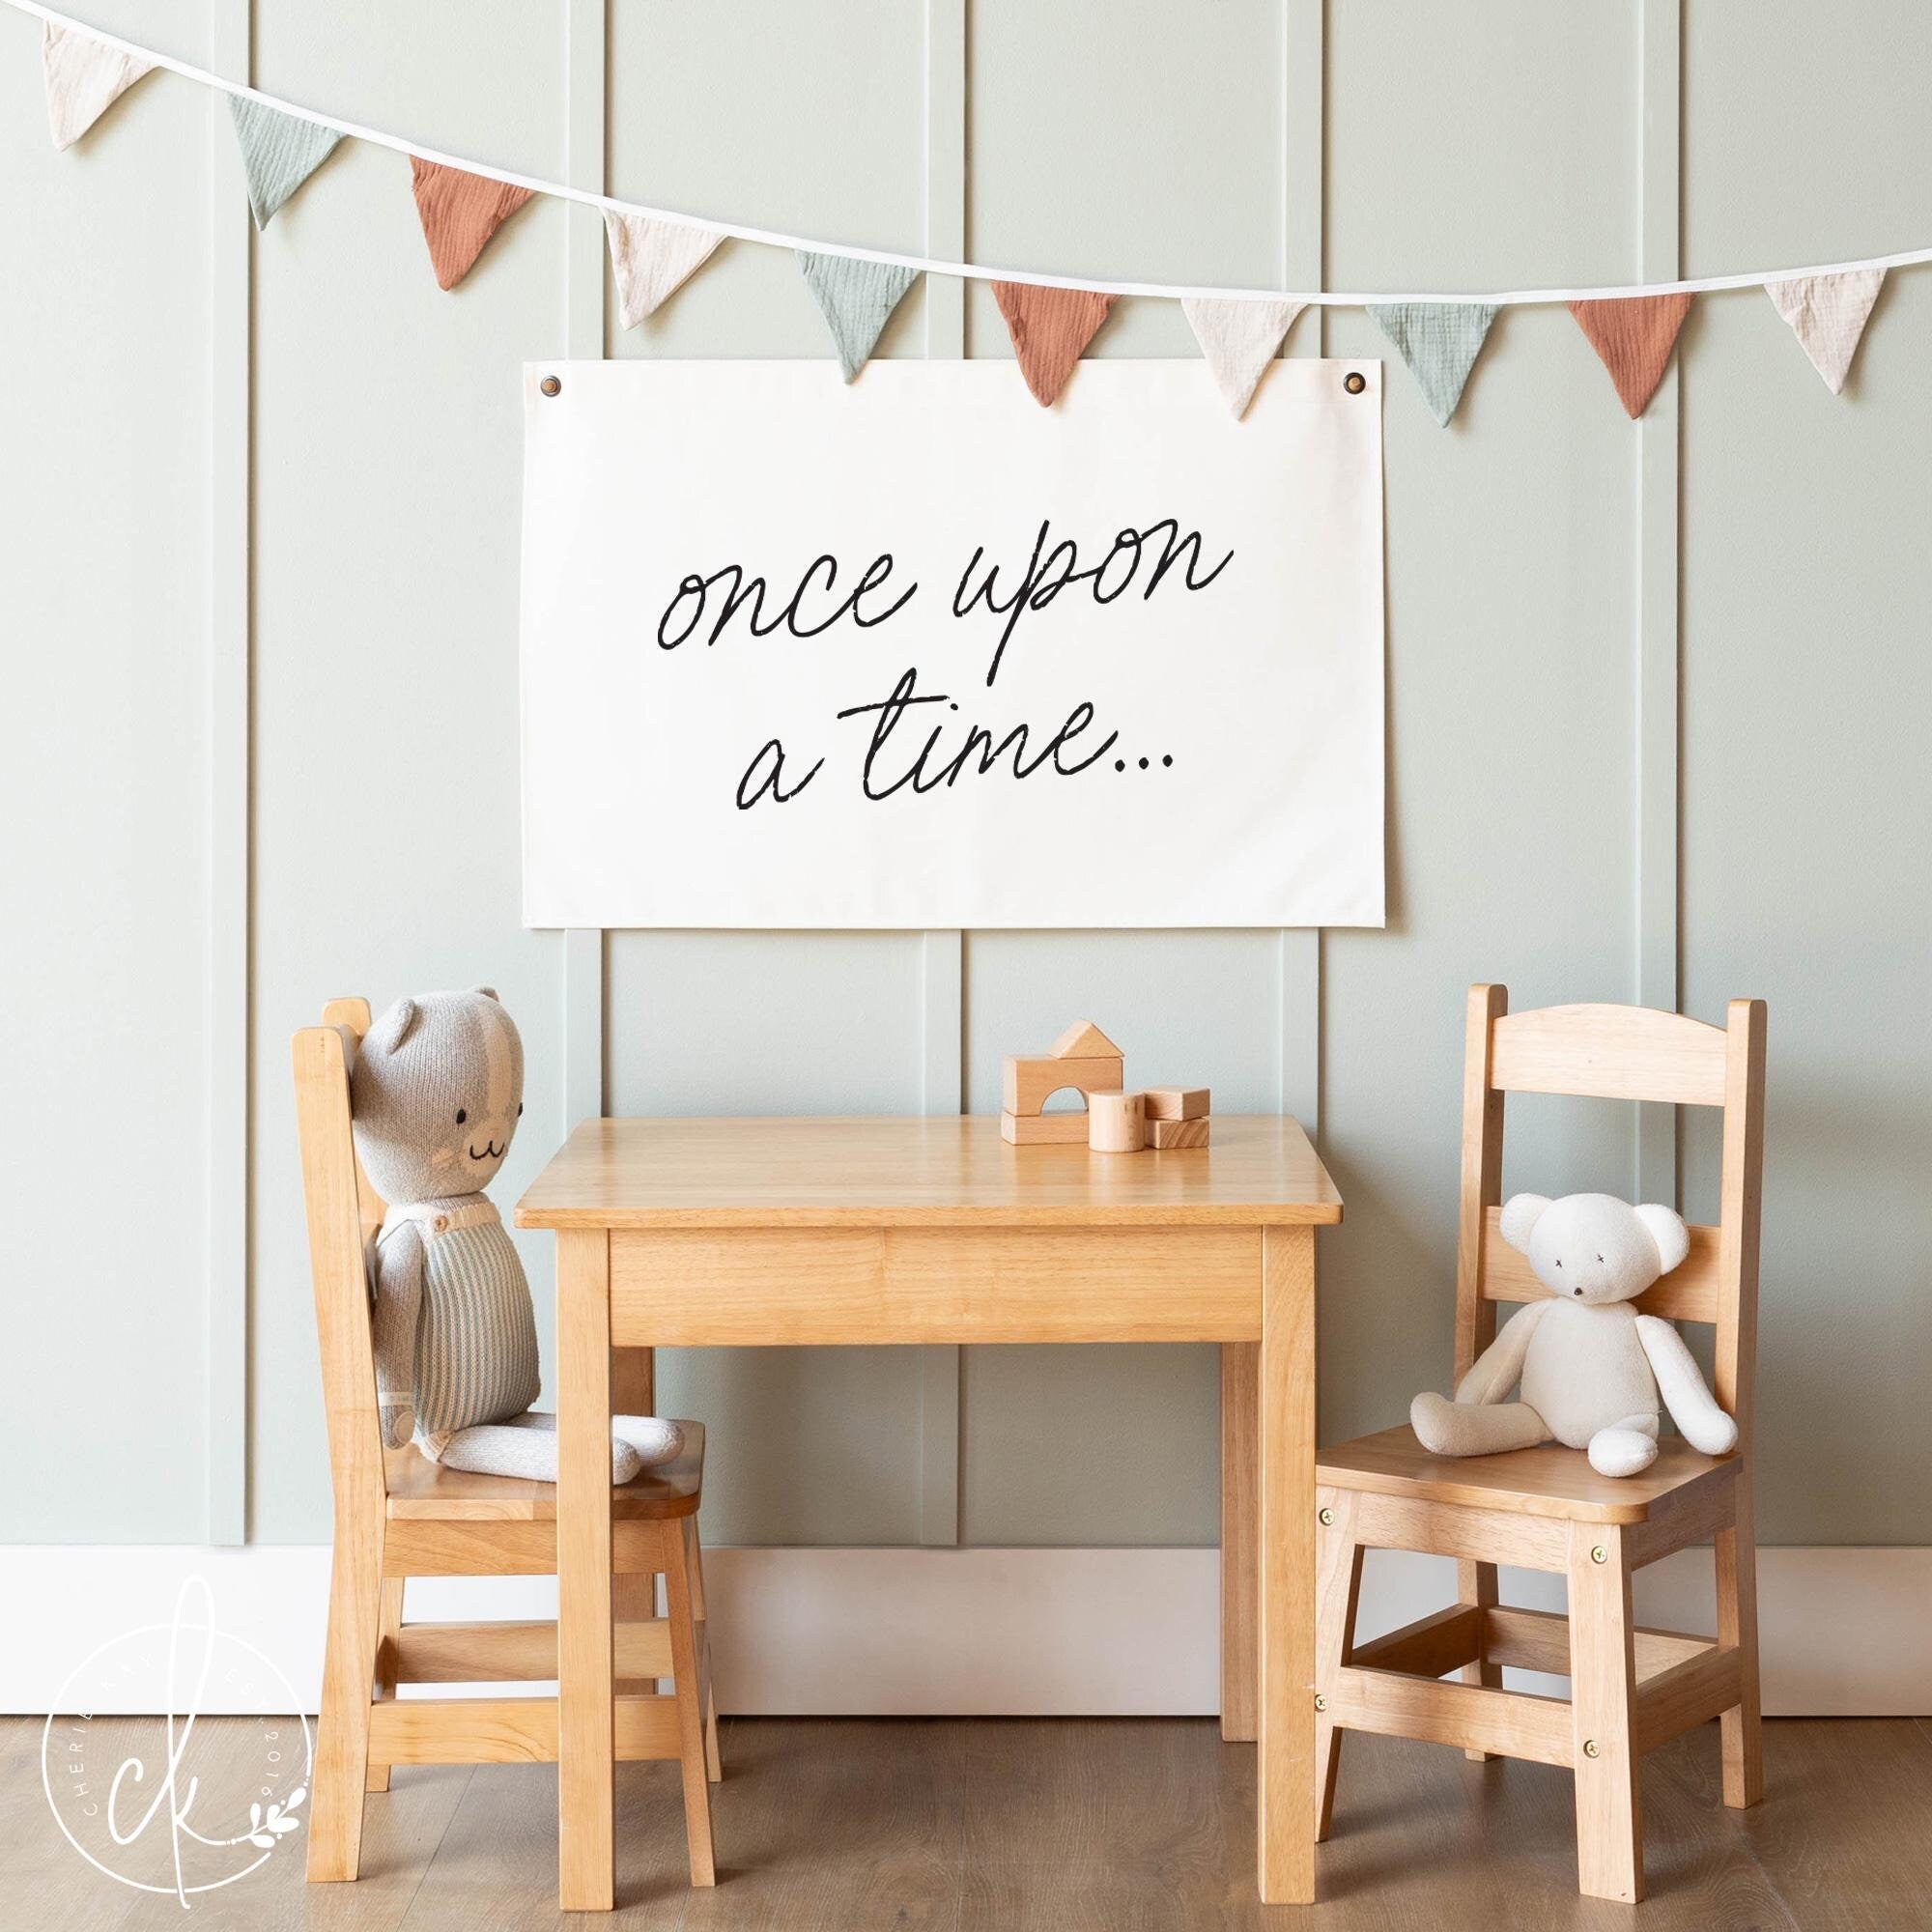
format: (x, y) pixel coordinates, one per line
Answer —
(970, 1632)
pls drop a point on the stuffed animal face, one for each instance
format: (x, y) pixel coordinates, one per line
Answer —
(435, 1094)
(1593, 1248)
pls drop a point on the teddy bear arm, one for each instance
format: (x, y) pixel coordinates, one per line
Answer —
(1681, 1383)
(399, 1277)
(1500, 1367)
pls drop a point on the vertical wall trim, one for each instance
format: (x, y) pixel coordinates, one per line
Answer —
(942, 953)
(1657, 728)
(1303, 87)
(585, 36)
(226, 1016)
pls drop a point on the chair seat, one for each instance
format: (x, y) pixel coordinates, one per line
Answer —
(1547, 1480)
(425, 1491)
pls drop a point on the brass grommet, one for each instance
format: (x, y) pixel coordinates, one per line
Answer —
(1599, 1554)
(1320, 1702)
(1325, 1518)
(550, 386)
(1590, 1748)
(1354, 382)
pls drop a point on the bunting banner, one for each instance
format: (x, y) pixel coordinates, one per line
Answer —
(1050, 329)
(1240, 340)
(1439, 341)
(84, 79)
(916, 653)
(650, 259)
(278, 153)
(1051, 318)
(1828, 315)
(856, 299)
(1633, 340)
(459, 214)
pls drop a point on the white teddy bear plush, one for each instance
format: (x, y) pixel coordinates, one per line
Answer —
(1591, 1367)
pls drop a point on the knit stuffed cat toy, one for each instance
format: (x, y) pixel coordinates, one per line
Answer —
(433, 1102)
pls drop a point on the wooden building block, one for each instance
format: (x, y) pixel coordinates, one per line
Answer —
(1084, 1040)
(1116, 1124)
(1028, 1079)
(1177, 1133)
(1176, 1104)
(1043, 1129)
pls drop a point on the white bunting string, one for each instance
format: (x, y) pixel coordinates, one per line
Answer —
(971, 272)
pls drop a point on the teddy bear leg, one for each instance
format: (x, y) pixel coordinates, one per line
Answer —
(1446, 1428)
(1625, 1448)
(526, 1447)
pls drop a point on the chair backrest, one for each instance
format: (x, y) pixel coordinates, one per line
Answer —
(1618, 1053)
(344, 1213)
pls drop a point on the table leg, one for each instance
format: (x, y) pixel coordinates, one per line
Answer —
(1240, 1368)
(1285, 1761)
(585, 1743)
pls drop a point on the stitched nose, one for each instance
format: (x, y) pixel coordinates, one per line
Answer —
(1577, 1291)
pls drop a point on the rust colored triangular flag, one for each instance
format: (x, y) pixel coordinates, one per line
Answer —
(1049, 327)
(459, 214)
(1634, 337)
(84, 78)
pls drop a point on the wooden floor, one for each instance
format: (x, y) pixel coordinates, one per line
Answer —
(1118, 1824)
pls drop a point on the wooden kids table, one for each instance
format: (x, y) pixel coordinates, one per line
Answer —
(750, 1232)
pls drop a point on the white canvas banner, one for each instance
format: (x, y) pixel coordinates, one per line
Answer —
(918, 652)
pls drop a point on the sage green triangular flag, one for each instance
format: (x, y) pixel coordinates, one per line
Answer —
(1440, 342)
(278, 153)
(856, 299)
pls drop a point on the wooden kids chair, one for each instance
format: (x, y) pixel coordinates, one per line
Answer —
(398, 1515)
(1546, 1508)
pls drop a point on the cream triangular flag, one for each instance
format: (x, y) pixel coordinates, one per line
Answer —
(652, 259)
(1240, 340)
(85, 78)
(1828, 315)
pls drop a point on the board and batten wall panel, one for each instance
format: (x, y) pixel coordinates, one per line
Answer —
(387, 448)
(812, 1445)
(1465, 157)
(1807, 790)
(104, 913)
(384, 442)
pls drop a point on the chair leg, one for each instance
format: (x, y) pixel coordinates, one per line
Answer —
(342, 1726)
(686, 1684)
(1338, 1584)
(1476, 1583)
(1602, 1693)
(1737, 1626)
(388, 1624)
(714, 1764)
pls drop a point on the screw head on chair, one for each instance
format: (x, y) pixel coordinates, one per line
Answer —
(1599, 1554)
(1325, 1518)
(1589, 1748)
(1320, 1702)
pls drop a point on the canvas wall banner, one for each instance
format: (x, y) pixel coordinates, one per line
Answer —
(920, 653)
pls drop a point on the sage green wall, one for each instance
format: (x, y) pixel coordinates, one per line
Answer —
(1460, 150)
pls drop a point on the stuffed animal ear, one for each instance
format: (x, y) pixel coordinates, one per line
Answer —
(1520, 1213)
(393, 1027)
(488, 992)
(1667, 1231)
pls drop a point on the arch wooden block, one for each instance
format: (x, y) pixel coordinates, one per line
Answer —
(1028, 1079)
(1043, 1129)
(1115, 1123)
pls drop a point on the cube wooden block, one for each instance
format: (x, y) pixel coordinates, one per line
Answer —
(1043, 1129)
(1028, 1079)
(1116, 1124)
(1177, 1133)
(1176, 1104)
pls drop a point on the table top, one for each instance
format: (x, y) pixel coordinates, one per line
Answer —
(921, 1172)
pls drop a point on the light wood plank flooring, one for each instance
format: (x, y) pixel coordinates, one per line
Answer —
(835, 1826)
